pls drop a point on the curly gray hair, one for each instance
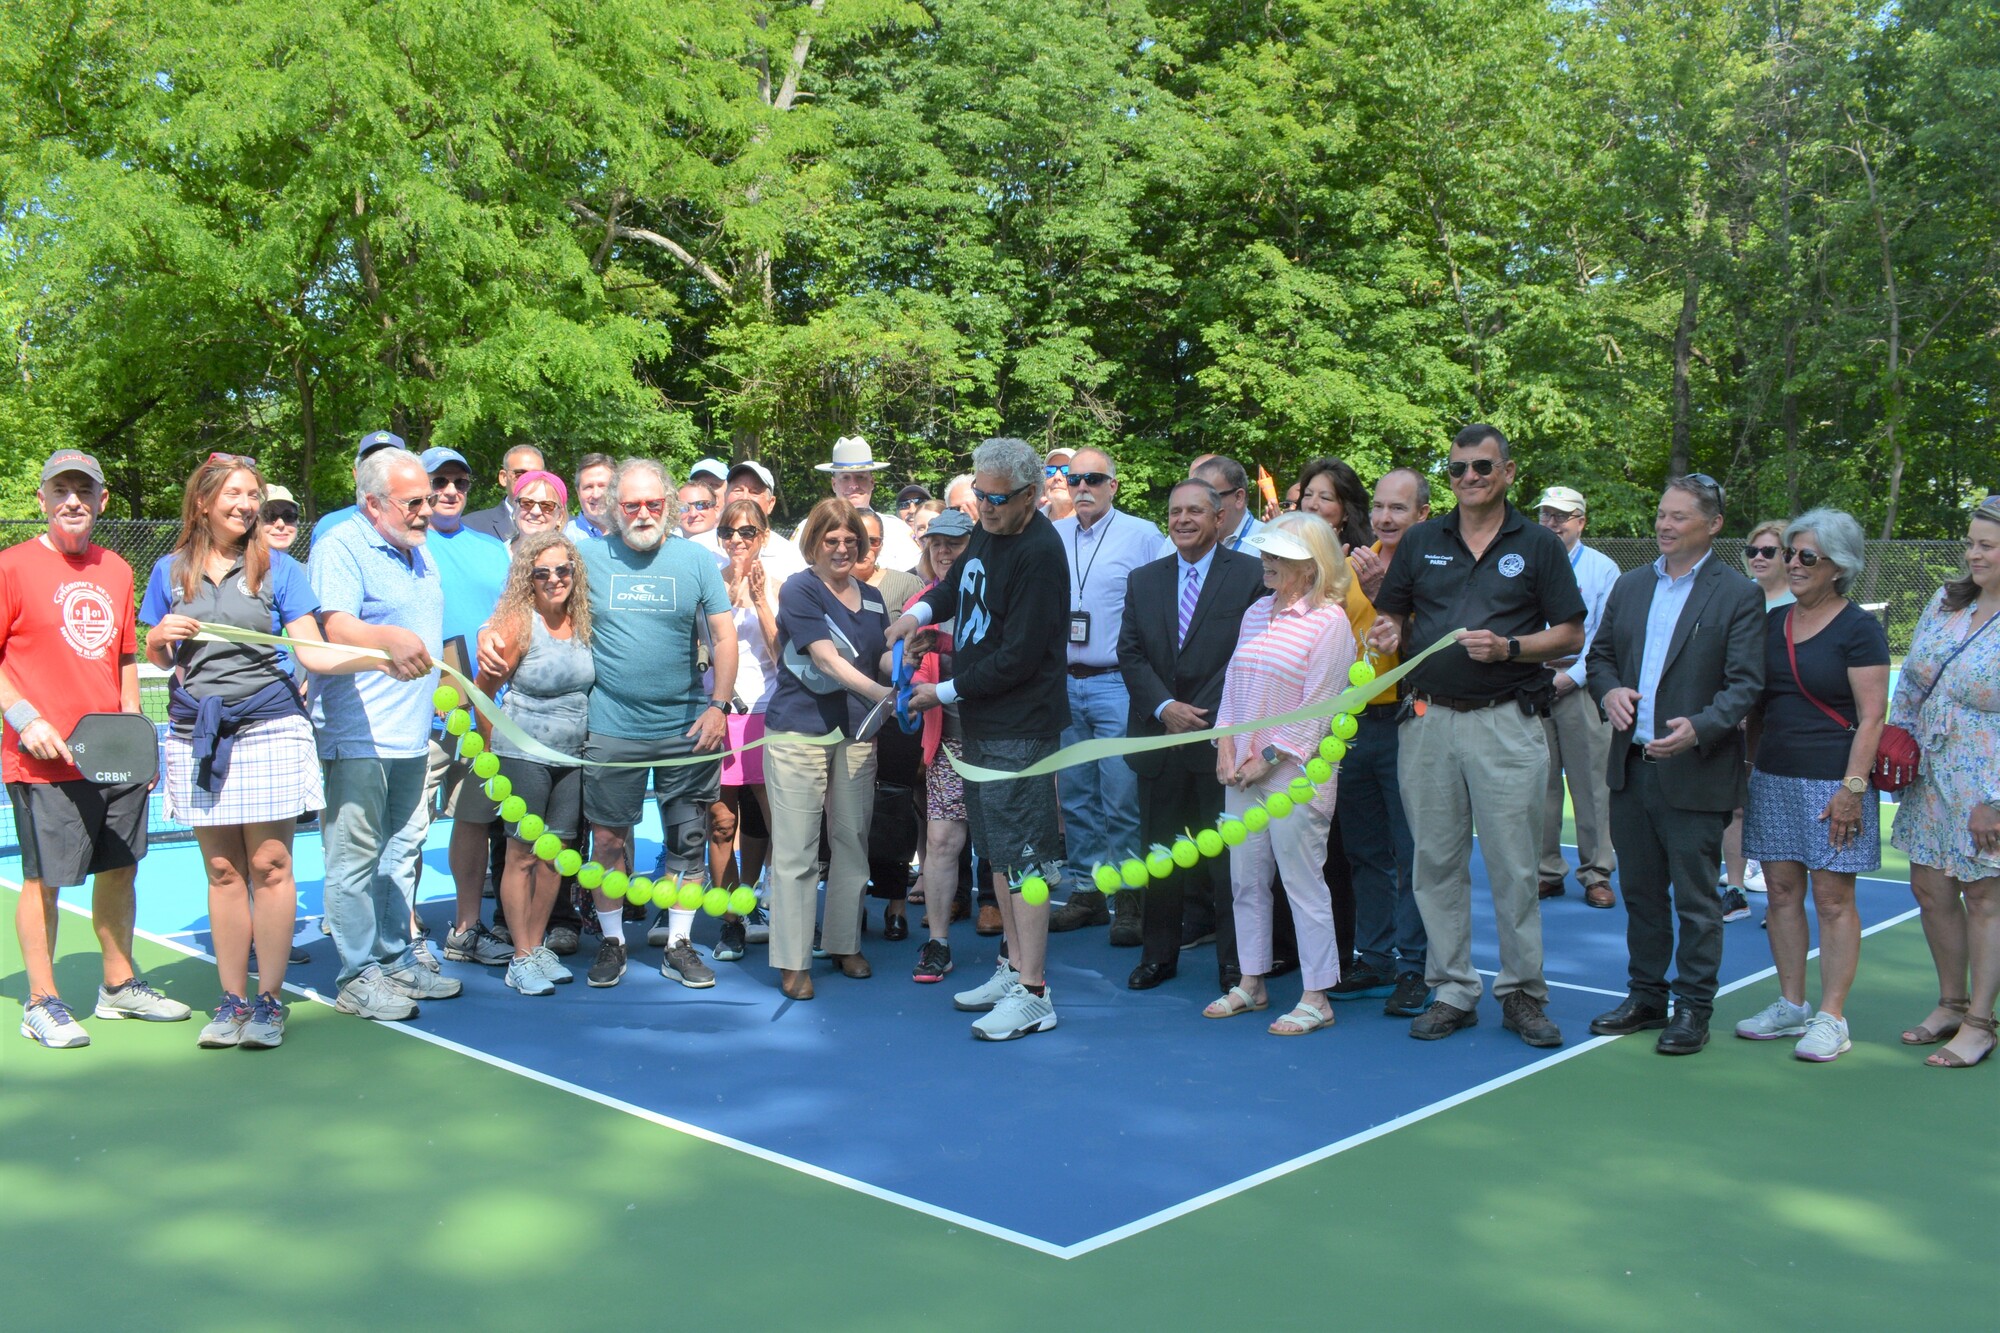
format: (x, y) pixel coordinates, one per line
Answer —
(1840, 541)
(1014, 461)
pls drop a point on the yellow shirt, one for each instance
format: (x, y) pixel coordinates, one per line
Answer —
(1361, 615)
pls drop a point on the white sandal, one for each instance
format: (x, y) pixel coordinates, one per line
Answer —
(1305, 1018)
(1235, 1001)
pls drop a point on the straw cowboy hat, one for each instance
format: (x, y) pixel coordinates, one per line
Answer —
(852, 454)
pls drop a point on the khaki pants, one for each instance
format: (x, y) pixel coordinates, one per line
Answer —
(1579, 740)
(803, 782)
(1485, 770)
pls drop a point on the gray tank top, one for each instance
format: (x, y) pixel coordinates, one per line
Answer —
(549, 696)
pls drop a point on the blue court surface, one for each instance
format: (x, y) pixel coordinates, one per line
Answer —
(1135, 1110)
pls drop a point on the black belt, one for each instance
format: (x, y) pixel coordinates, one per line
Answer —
(1086, 672)
(1639, 751)
(1462, 705)
(1381, 710)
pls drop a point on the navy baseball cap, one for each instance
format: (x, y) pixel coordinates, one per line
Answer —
(377, 439)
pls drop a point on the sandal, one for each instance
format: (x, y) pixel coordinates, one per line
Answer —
(1950, 1059)
(1930, 1037)
(1235, 1001)
(1303, 1018)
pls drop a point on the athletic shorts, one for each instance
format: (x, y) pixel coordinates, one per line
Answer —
(1014, 824)
(554, 793)
(72, 830)
(616, 797)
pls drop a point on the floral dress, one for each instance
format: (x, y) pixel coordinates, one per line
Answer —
(1959, 730)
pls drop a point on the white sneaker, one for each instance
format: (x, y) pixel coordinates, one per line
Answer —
(1780, 1018)
(1020, 1013)
(1825, 1039)
(135, 999)
(526, 977)
(551, 966)
(984, 997)
(1753, 877)
(264, 1030)
(225, 1028)
(50, 1022)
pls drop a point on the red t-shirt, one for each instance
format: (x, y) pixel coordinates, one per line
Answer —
(65, 624)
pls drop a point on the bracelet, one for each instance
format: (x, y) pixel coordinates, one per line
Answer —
(22, 716)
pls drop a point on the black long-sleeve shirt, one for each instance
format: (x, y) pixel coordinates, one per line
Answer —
(1009, 599)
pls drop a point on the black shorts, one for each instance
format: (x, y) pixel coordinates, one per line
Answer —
(1014, 825)
(616, 797)
(72, 830)
(556, 794)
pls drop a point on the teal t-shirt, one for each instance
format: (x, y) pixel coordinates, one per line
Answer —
(473, 568)
(647, 609)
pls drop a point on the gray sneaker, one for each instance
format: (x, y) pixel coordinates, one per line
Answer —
(1020, 1013)
(225, 1028)
(476, 944)
(525, 976)
(757, 926)
(420, 949)
(266, 1026)
(1780, 1018)
(983, 997)
(551, 966)
(135, 999)
(50, 1022)
(370, 995)
(684, 965)
(1825, 1039)
(420, 983)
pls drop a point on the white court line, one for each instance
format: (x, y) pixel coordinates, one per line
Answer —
(1035, 1243)
(1562, 985)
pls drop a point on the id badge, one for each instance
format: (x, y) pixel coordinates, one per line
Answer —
(1079, 627)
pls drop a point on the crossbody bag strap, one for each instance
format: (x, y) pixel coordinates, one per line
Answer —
(1792, 653)
(1952, 656)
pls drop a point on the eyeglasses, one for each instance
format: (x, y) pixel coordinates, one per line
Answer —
(1560, 516)
(874, 542)
(1762, 552)
(1806, 559)
(840, 543)
(747, 533)
(1091, 478)
(280, 513)
(1000, 499)
(698, 506)
(562, 573)
(410, 506)
(463, 485)
(1289, 506)
(634, 508)
(1481, 467)
(1233, 490)
(1055, 470)
(539, 508)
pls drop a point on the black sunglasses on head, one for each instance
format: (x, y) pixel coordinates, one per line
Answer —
(1481, 467)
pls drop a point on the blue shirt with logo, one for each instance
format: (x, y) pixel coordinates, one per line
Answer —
(648, 609)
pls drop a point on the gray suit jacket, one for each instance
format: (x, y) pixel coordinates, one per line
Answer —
(1714, 672)
(494, 522)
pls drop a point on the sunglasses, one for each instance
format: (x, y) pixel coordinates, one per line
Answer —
(412, 505)
(1762, 552)
(698, 506)
(539, 508)
(280, 513)
(746, 533)
(463, 485)
(562, 573)
(634, 508)
(1806, 559)
(1000, 499)
(1091, 478)
(1055, 470)
(236, 460)
(1481, 467)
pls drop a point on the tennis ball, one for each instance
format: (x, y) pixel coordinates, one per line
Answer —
(1106, 879)
(1333, 749)
(1132, 874)
(548, 846)
(716, 901)
(471, 745)
(1278, 804)
(743, 900)
(1185, 853)
(511, 807)
(569, 861)
(615, 884)
(639, 891)
(499, 789)
(444, 698)
(590, 874)
(1232, 831)
(486, 765)
(530, 828)
(690, 896)
(1318, 771)
(1255, 819)
(1361, 673)
(1300, 791)
(458, 722)
(1034, 890)
(1159, 863)
(1208, 842)
(1344, 726)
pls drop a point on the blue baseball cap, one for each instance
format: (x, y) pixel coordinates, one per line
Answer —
(376, 439)
(437, 456)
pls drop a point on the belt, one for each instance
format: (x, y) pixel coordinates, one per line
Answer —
(1381, 710)
(1639, 753)
(1463, 705)
(1086, 672)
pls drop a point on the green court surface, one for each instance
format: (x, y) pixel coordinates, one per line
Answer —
(359, 1175)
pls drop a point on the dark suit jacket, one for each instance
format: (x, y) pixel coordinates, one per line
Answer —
(494, 522)
(1157, 667)
(1714, 672)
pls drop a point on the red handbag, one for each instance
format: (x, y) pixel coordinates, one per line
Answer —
(1898, 757)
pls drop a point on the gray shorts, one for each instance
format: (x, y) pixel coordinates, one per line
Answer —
(616, 797)
(556, 794)
(72, 830)
(465, 797)
(1014, 825)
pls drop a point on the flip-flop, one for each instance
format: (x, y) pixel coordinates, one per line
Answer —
(1304, 1018)
(1235, 1001)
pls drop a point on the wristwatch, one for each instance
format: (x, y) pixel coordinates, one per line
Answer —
(1270, 754)
(1513, 647)
(1854, 784)
(719, 704)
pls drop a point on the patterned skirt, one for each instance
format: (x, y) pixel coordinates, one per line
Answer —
(274, 774)
(944, 789)
(1781, 823)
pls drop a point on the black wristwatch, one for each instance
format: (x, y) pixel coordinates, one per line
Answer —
(717, 703)
(1513, 647)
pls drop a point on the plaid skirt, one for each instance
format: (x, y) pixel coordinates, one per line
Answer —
(274, 774)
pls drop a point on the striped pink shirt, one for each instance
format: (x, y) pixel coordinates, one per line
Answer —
(1282, 663)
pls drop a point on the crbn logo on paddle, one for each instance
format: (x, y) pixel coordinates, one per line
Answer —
(974, 619)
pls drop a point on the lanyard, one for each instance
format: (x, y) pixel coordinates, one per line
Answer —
(1076, 554)
(1236, 542)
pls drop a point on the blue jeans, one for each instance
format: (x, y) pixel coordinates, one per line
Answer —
(1388, 929)
(1100, 801)
(375, 826)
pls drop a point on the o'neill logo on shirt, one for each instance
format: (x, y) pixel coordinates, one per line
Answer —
(974, 616)
(89, 623)
(644, 592)
(1511, 565)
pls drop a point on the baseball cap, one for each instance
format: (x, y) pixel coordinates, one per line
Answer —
(376, 439)
(72, 460)
(951, 523)
(1060, 452)
(713, 467)
(1563, 498)
(756, 469)
(278, 495)
(912, 492)
(437, 456)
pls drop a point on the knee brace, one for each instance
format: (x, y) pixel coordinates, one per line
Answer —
(684, 832)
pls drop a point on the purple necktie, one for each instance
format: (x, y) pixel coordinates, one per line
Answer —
(1189, 592)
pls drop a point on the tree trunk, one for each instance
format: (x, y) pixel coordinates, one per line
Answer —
(309, 436)
(1677, 456)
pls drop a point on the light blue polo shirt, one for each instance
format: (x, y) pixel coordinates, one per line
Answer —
(372, 715)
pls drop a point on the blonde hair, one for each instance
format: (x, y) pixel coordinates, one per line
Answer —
(1330, 572)
(517, 600)
(1775, 526)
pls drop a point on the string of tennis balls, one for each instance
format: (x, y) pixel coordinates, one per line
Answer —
(1188, 849)
(529, 828)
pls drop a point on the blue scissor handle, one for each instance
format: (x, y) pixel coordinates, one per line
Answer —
(904, 680)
